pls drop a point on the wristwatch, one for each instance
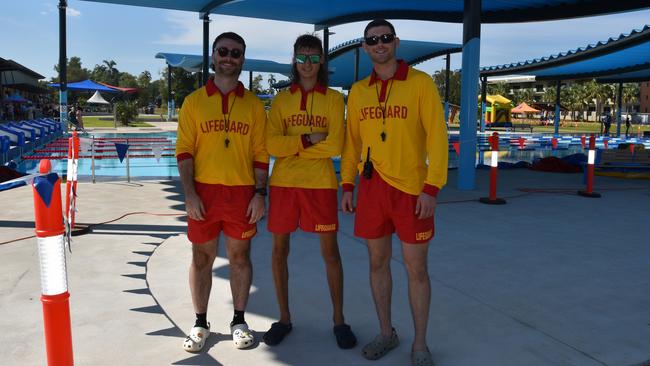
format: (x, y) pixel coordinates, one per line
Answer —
(261, 191)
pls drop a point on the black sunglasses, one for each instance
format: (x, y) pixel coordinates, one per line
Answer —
(234, 53)
(384, 38)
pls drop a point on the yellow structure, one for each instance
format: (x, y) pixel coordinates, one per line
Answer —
(497, 108)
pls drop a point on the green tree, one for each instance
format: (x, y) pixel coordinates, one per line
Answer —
(74, 70)
(113, 74)
(524, 95)
(126, 112)
(500, 88)
(100, 74)
(127, 80)
(454, 85)
(271, 81)
(144, 89)
(257, 84)
(631, 94)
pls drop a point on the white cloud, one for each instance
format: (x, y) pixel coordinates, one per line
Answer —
(72, 12)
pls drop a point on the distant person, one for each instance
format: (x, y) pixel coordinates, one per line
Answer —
(396, 139)
(608, 123)
(72, 117)
(80, 119)
(223, 166)
(305, 130)
(11, 111)
(628, 124)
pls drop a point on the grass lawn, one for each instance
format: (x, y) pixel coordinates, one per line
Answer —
(107, 121)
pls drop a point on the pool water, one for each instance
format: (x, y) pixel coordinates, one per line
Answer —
(143, 165)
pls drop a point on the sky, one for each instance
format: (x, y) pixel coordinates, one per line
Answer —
(131, 36)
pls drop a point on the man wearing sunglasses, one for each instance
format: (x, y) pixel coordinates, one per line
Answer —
(304, 131)
(397, 139)
(223, 166)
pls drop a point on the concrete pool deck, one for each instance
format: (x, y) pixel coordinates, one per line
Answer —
(550, 278)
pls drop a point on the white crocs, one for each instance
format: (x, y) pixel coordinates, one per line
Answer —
(242, 337)
(196, 339)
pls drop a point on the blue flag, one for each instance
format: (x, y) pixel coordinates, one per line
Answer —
(44, 186)
(121, 150)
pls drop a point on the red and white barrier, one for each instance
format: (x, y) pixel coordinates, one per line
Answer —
(494, 167)
(71, 179)
(591, 160)
(54, 281)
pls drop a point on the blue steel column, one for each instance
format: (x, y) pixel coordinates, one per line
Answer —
(619, 109)
(469, 91)
(356, 64)
(483, 97)
(447, 66)
(326, 50)
(63, 67)
(558, 89)
(170, 112)
(206, 42)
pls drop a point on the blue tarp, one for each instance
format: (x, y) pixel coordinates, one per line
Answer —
(87, 85)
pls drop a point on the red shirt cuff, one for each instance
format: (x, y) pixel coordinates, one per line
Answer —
(260, 165)
(183, 156)
(305, 143)
(430, 190)
(348, 187)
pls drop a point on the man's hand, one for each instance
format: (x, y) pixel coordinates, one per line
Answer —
(256, 208)
(317, 137)
(194, 207)
(425, 206)
(347, 204)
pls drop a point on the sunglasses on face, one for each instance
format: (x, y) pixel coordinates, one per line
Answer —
(301, 59)
(384, 38)
(234, 53)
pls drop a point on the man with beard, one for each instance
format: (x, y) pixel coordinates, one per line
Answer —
(397, 139)
(223, 165)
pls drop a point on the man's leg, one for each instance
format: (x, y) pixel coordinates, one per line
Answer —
(203, 256)
(241, 271)
(415, 260)
(330, 251)
(381, 281)
(281, 275)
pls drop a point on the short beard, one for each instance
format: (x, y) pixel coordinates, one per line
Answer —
(236, 72)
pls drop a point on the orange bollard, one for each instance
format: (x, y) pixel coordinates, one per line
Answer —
(456, 146)
(494, 166)
(54, 281)
(591, 160)
(554, 143)
(606, 143)
(583, 141)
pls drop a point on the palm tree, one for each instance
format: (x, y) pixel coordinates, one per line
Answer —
(271, 81)
(113, 73)
(630, 95)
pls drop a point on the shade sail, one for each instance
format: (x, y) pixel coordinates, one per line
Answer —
(342, 58)
(341, 63)
(523, 108)
(194, 63)
(86, 85)
(335, 12)
(627, 53)
(97, 99)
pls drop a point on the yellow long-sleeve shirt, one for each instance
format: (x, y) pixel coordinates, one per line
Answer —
(207, 119)
(296, 112)
(413, 127)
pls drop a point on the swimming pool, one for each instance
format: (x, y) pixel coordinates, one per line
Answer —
(143, 165)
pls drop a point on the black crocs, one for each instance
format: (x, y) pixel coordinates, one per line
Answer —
(276, 334)
(344, 336)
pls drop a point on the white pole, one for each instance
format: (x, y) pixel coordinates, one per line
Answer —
(92, 157)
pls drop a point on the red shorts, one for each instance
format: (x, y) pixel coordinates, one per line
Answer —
(225, 209)
(314, 210)
(383, 209)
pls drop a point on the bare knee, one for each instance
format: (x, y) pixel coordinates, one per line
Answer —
(201, 259)
(417, 272)
(240, 259)
(379, 262)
